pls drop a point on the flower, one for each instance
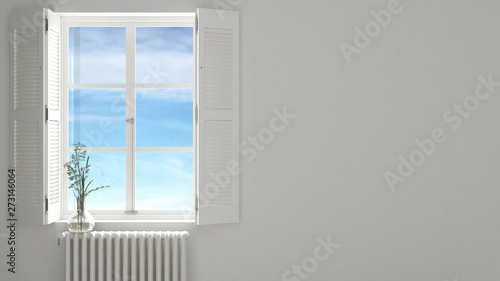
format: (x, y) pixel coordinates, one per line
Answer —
(77, 169)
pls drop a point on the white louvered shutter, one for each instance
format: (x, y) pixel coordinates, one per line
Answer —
(35, 127)
(53, 130)
(218, 117)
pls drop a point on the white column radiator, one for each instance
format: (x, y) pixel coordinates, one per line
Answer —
(125, 256)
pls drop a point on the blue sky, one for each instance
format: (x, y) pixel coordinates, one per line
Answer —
(165, 54)
(164, 117)
(98, 55)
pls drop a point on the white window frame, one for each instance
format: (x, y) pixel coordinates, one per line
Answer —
(130, 22)
(35, 127)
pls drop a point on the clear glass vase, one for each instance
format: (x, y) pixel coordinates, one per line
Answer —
(81, 220)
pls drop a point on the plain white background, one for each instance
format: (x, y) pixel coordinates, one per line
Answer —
(323, 175)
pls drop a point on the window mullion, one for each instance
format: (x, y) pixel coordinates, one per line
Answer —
(130, 116)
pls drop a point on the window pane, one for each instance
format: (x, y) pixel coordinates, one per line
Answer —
(97, 55)
(164, 181)
(97, 117)
(106, 168)
(164, 117)
(164, 55)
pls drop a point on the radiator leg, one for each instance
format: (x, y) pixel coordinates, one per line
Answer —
(68, 257)
(117, 258)
(100, 259)
(126, 276)
(92, 257)
(76, 260)
(84, 257)
(158, 239)
(133, 257)
(142, 270)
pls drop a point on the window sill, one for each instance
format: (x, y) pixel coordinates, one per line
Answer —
(142, 217)
(137, 221)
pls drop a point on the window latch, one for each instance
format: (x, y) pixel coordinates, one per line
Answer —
(130, 120)
(196, 114)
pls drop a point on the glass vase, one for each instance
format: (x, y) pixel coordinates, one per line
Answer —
(81, 220)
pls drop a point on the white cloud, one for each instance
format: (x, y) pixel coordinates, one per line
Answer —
(161, 67)
(168, 95)
(99, 67)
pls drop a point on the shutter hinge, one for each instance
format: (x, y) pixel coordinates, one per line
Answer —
(196, 23)
(46, 204)
(46, 24)
(46, 113)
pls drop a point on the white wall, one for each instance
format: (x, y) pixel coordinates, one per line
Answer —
(323, 175)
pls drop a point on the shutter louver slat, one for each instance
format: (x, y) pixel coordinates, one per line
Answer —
(27, 162)
(219, 151)
(26, 71)
(218, 76)
(53, 61)
(54, 162)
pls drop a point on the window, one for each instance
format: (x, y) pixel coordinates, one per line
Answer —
(129, 96)
(154, 97)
